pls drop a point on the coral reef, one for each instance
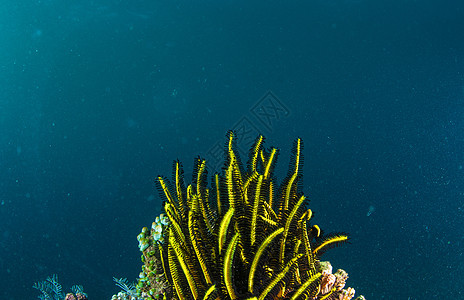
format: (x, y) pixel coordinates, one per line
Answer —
(152, 281)
(243, 238)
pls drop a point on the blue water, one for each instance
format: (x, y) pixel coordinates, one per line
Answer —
(98, 97)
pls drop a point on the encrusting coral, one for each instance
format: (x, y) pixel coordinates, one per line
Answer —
(243, 238)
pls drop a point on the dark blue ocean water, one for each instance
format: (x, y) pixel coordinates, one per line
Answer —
(97, 98)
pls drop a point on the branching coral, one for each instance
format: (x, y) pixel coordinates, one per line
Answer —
(243, 238)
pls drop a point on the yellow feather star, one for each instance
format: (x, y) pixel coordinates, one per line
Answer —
(241, 238)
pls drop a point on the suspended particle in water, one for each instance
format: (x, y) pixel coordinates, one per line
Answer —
(370, 210)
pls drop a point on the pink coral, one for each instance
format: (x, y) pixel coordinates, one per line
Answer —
(328, 280)
(70, 296)
(332, 285)
(78, 296)
(341, 276)
(346, 294)
(81, 296)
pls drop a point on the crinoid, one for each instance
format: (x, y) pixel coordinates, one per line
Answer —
(243, 238)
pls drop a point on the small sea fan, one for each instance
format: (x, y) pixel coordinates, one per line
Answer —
(51, 289)
(126, 286)
(78, 289)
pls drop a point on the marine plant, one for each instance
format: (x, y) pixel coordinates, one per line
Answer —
(126, 286)
(51, 289)
(245, 237)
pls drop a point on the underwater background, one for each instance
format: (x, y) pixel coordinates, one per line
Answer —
(97, 98)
